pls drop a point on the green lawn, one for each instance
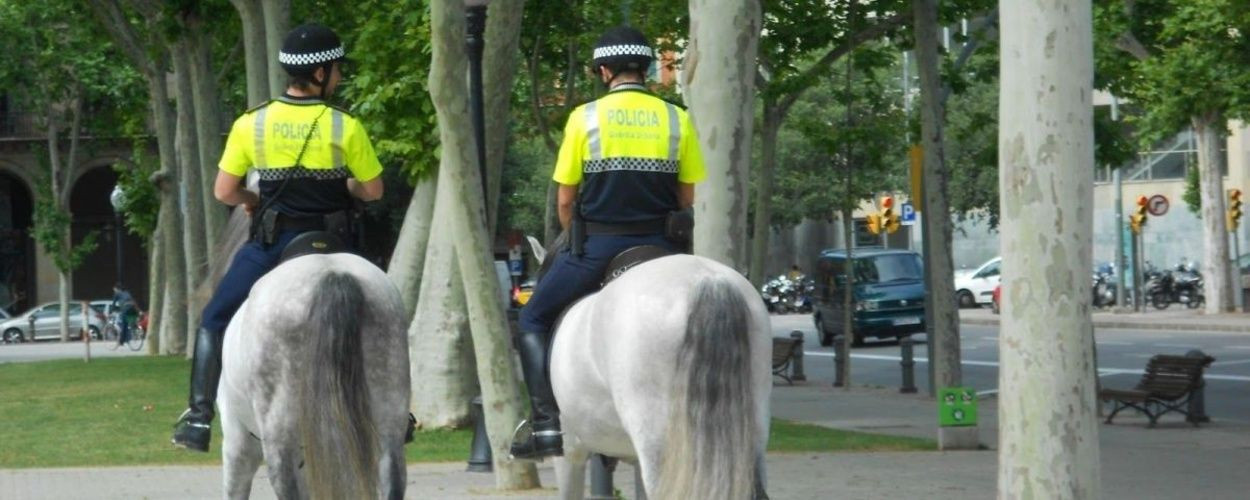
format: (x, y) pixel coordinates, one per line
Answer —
(121, 411)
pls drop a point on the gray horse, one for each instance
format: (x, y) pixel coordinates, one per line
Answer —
(315, 382)
(668, 367)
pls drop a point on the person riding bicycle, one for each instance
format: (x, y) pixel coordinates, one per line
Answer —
(628, 164)
(126, 310)
(312, 159)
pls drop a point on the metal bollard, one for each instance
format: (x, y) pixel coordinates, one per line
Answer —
(601, 469)
(480, 456)
(796, 366)
(1197, 402)
(909, 365)
(839, 359)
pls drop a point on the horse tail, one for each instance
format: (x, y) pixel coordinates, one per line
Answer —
(710, 449)
(340, 441)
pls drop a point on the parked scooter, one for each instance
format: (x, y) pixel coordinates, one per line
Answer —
(1182, 285)
(1104, 287)
(783, 295)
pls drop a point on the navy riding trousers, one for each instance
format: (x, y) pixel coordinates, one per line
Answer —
(572, 277)
(253, 261)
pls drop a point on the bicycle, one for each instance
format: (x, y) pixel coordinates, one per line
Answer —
(138, 331)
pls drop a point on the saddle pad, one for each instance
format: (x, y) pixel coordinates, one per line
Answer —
(631, 257)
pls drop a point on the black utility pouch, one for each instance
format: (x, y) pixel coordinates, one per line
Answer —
(268, 227)
(679, 227)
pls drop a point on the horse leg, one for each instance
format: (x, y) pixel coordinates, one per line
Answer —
(571, 471)
(282, 450)
(241, 455)
(394, 474)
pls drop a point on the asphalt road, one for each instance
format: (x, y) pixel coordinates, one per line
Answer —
(1122, 355)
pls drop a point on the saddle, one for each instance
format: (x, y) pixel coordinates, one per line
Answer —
(313, 242)
(630, 258)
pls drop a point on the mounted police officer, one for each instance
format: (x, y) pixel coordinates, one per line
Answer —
(626, 173)
(312, 160)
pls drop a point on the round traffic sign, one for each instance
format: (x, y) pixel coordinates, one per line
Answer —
(1158, 205)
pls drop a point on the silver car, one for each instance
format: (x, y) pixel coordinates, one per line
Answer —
(46, 320)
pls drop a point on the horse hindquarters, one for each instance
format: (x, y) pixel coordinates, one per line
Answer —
(712, 443)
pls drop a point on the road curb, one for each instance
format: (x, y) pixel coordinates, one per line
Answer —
(1136, 325)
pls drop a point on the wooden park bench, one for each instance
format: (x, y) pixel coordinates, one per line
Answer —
(1169, 384)
(785, 349)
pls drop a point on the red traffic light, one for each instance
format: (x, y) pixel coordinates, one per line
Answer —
(887, 202)
(1142, 200)
(1234, 194)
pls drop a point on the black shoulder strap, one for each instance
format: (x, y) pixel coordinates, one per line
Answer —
(257, 107)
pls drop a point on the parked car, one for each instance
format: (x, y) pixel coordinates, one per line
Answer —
(888, 294)
(976, 287)
(47, 323)
(998, 299)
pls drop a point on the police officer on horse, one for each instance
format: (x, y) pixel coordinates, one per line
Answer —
(626, 173)
(313, 159)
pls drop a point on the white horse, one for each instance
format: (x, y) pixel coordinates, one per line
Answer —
(668, 367)
(315, 382)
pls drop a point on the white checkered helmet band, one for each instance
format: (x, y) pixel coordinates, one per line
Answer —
(312, 59)
(624, 50)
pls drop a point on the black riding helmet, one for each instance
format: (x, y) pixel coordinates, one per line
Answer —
(308, 47)
(623, 49)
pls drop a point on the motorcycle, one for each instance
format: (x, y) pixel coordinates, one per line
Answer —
(1103, 288)
(1181, 285)
(783, 295)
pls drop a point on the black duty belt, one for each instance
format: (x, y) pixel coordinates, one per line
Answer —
(656, 226)
(301, 224)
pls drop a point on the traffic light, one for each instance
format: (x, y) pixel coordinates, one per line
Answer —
(1234, 208)
(874, 223)
(1138, 219)
(889, 219)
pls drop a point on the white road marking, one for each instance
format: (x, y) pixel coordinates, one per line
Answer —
(1177, 346)
(1112, 342)
(1226, 363)
(1237, 347)
(1101, 371)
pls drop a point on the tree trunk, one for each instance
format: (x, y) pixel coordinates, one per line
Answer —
(939, 267)
(720, 76)
(277, 15)
(208, 130)
(255, 50)
(1048, 431)
(63, 296)
(1217, 286)
(438, 339)
(848, 297)
(156, 296)
(501, 391)
(173, 310)
(764, 193)
(551, 215)
(189, 187)
(408, 260)
(499, 67)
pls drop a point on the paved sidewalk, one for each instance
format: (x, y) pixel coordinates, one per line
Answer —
(1175, 318)
(1171, 461)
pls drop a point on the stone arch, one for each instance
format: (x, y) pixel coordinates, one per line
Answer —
(93, 211)
(17, 248)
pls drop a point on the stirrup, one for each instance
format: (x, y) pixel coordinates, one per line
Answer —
(534, 436)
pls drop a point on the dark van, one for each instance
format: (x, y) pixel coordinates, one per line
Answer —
(888, 300)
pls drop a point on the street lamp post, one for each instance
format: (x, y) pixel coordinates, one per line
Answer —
(475, 27)
(117, 198)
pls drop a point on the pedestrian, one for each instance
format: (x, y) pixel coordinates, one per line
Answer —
(126, 310)
(626, 173)
(312, 159)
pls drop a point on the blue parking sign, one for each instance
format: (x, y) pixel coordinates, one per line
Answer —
(907, 214)
(514, 267)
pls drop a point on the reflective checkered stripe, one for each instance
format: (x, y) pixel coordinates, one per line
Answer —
(630, 164)
(624, 50)
(311, 58)
(277, 174)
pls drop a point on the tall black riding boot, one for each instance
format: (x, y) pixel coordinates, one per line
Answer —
(545, 440)
(193, 429)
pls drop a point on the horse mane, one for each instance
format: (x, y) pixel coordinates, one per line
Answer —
(233, 236)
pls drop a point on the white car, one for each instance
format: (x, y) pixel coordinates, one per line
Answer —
(976, 287)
